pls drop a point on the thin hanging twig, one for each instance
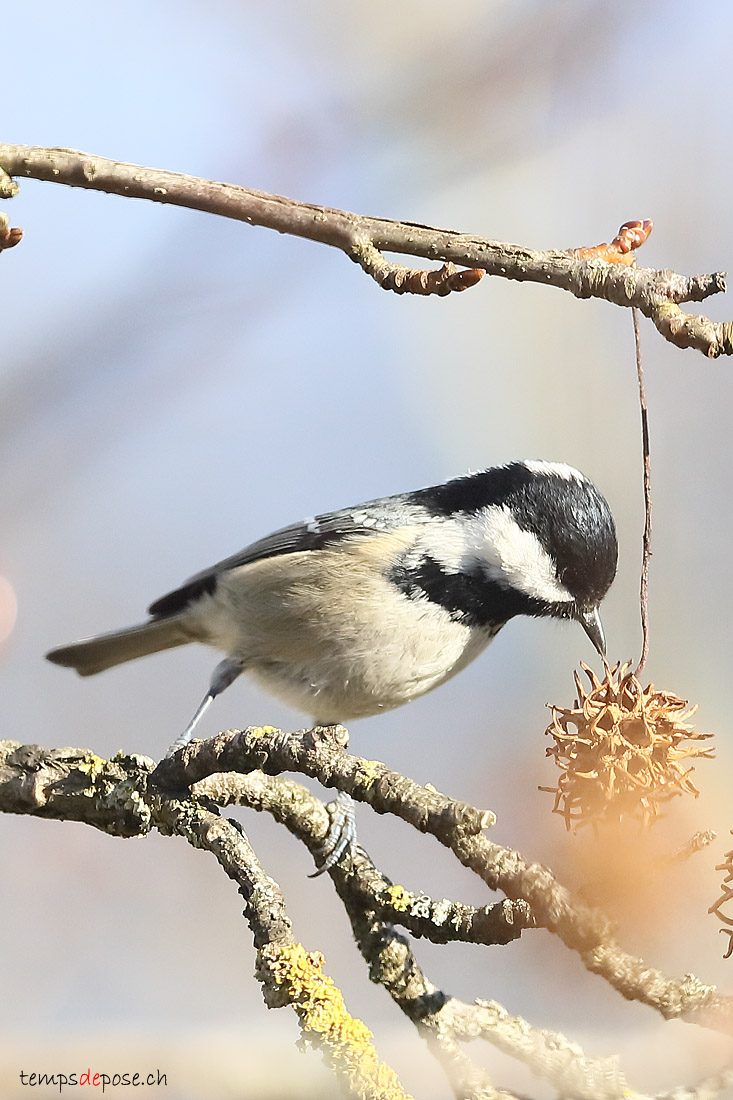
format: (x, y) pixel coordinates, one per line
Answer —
(646, 550)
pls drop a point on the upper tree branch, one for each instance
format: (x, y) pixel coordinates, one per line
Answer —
(583, 272)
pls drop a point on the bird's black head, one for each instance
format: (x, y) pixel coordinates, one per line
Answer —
(573, 523)
(539, 534)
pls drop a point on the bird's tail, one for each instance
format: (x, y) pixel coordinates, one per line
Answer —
(93, 655)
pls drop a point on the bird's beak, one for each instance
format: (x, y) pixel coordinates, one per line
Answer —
(592, 625)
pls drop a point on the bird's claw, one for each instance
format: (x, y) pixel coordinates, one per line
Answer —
(341, 835)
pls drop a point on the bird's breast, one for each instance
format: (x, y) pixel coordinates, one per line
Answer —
(329, 633)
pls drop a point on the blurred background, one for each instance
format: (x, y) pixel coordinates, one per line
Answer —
(175, 385)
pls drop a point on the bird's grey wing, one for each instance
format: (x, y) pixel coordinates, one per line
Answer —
(312, 534)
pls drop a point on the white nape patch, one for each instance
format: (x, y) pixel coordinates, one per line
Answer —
(560, 469)
(508, 554)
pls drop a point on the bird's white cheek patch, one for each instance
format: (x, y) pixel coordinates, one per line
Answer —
(514, 557)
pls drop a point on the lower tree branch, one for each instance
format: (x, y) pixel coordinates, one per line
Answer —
(305, 816)
(444, 1021)
(74, 784)
(374, 905)
(129, 795)
(206, 828)
(371, 900)
(320, 753)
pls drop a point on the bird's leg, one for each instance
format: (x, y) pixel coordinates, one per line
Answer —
(224, 674)
(341, 835)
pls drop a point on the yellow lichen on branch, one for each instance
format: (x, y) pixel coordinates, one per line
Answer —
(293, 976)
(622, 749)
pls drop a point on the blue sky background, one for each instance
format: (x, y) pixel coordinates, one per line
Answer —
(174, 385)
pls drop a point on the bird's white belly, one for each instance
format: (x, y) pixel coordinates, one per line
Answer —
(338, 645)
(337, 685)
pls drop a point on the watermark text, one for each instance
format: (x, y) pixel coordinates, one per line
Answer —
(102, 1081)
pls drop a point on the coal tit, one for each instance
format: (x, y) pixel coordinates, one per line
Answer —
(354, 612)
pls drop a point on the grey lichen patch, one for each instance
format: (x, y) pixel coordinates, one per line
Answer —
(76, 784)
(442, 911)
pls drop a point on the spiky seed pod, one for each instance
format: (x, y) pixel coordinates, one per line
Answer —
(622, 749)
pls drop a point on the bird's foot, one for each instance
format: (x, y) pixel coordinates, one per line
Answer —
(224, 674)
(341, 835)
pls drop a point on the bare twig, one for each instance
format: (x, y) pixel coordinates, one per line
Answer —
(445, 1021)
(726, 896)
(292, 976)
(647, 539)
(9, 236)
(204, 828)
(410, 280)
(319, 753)
(657, 294)
(71, 784)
